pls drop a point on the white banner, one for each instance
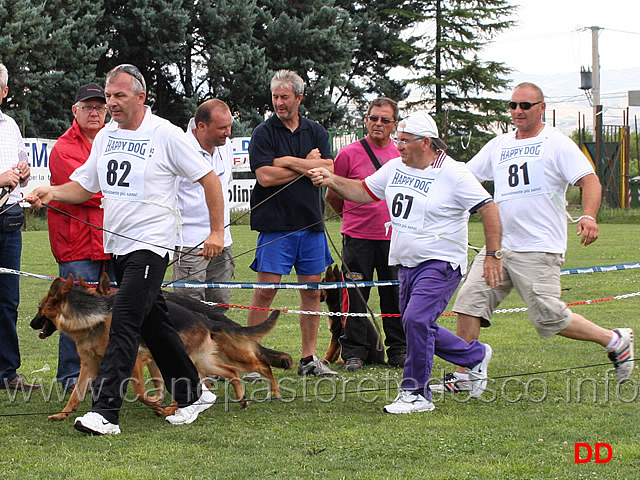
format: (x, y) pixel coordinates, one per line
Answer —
(39, 150)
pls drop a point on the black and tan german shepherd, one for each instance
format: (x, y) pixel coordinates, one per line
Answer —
(84, 314)
(334, 298)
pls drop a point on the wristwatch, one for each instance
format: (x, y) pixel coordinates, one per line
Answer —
(496, 254)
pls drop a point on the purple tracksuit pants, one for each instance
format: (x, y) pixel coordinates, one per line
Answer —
(425, 291)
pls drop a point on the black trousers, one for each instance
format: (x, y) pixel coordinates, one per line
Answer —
(363, 257)
(140, 312)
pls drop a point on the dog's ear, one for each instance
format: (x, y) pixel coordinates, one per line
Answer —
(336, 273)
(104, 284)
(54, 290)
(68, 284)
(84, 285)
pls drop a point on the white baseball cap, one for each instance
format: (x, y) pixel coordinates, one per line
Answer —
(419, 123)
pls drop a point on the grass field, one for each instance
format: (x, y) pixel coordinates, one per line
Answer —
(524, 427)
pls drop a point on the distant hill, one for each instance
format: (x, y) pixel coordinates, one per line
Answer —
(563, 95)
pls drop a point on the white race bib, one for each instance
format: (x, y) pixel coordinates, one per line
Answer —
(122, 165)
(519, 172)
(407, 196)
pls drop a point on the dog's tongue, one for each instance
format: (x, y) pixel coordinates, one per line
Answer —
(43, 335)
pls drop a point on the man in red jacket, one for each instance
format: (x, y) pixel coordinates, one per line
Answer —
(76, 246)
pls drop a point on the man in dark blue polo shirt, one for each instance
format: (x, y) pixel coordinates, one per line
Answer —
(282, 150)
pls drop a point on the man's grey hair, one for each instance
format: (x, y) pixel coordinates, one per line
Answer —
(288, 77)
(4, 76)
(137, 80)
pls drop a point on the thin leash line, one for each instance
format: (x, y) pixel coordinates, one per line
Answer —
(6, 209)
(168, 284)
(379, 346)
(247, 212)
(109, 231)
(315, 395)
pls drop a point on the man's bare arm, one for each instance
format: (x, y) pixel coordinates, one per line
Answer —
(70, 192)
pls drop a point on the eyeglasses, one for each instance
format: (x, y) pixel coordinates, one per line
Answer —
(402, 143)
(375, 118)
(90, 108)
(523, 105)
(134, 72)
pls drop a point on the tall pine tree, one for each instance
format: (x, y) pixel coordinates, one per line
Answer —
(451, 70)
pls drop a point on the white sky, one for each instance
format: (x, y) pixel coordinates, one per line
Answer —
(547, 39)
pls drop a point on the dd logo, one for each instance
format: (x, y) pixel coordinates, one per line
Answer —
(590, 452)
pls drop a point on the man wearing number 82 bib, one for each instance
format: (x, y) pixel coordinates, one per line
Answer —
(135, 161)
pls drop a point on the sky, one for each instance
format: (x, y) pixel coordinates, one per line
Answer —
(548, 38)
(552, 41)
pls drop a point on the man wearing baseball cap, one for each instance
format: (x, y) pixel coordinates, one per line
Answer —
(430, 197)
(76, 246)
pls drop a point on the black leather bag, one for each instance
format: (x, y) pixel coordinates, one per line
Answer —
(12, 219)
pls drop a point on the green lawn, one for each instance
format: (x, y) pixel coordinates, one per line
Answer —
(525, 427)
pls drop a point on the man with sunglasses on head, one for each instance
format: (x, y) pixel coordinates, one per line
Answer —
(76, 246)
(135, 161)
(531, 168)
(365, 245)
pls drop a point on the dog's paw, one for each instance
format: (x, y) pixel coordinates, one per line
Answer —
(58, 417)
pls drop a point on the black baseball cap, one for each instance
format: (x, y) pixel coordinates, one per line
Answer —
(90, 90)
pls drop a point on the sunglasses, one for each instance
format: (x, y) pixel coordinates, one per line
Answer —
(375, 118)
(523, 105)
(134, 72)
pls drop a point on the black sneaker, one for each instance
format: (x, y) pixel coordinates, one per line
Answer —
(397, 360)
(353, 364)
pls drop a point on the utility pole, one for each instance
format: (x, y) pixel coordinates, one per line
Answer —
(595, 60)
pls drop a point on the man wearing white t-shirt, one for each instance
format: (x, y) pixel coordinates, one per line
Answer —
(430, 197)
(135, 161)
(531, 168)
(208, 131)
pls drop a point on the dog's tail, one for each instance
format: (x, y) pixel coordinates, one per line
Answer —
(277, 359)
(260, 330)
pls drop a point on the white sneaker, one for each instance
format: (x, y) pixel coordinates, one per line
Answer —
(252, 377)
(451, 383)
(409, 402)
(188, 414)
(623, 356)
(317, 368)
(478, 374)
(95, 424)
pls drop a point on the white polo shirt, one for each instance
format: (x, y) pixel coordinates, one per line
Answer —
(137, 171)
(12, 151)
(191, 203)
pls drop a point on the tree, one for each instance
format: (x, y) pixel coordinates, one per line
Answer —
(50, 49)
(451, 70)
(152, 35)
(226, 60)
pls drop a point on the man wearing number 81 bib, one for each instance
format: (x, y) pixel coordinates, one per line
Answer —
(135, 161)
(531, 168)
(430, 197)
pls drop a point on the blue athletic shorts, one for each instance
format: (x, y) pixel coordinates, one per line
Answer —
(307, 251)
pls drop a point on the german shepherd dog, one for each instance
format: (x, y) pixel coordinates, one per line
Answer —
(334, 298)
(85, 315)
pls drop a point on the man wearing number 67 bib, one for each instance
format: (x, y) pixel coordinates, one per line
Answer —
(430, 197)
(531, 168)
(135, 161)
